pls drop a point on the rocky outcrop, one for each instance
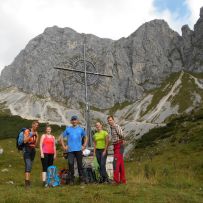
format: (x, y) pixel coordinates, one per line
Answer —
(187, 46)
(193, 46)
(198, 42)
(179, 94)
(138, 63)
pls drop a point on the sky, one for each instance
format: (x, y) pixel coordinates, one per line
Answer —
(22, 20)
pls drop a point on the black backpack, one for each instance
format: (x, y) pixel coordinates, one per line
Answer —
(65, 176)
(90, 176)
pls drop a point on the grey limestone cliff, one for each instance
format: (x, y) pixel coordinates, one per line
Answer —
(193, 46)
(138, 63)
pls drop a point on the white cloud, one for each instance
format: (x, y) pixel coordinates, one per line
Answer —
(22, 20)
(194, 7)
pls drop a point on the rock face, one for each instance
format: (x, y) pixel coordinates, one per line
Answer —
(138, 63)
(187, 46)
(193, 46)
(181, 93)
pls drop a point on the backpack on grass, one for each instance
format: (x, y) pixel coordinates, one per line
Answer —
(65, 176)
(53, 179)
(90, 176)
(20, 139)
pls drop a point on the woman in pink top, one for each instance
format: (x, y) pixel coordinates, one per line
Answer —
(48, 151)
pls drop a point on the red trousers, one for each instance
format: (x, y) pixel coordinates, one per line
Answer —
(118, 163)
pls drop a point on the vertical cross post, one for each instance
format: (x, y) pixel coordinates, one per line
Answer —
(87, 119)
(86, 73)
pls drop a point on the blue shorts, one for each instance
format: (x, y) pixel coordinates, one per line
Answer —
(28, 155)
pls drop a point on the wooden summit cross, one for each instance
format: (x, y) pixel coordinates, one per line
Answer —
(83, 64)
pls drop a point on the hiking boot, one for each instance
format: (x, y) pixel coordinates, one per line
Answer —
(82, 183)
(27, 184)
(44, 184)
(83, 180)
(107, 181)
(72, 182)
(114, 183)
(101, 180)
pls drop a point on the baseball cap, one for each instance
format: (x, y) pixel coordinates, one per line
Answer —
(74, 118)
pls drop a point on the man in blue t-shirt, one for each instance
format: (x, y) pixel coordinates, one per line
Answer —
(75, 135)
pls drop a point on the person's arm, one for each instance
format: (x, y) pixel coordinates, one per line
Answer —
(65, 147)
(54, 148)
(41, 144)
(60, 138)
(84, 135)
(120, 132)
(37, 138)
(107, 144)
(85, 143)
(94, 147)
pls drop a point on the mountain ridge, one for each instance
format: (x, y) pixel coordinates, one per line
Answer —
(153, 79)
(155, 109)
(138, 62)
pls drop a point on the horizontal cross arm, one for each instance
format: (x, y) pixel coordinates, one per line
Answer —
(80, 71)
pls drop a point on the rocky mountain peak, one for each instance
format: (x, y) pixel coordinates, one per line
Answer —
(201, 12)
(152, 26)
(55, 29)
(193, 46)
(186, 30)
(138, 63)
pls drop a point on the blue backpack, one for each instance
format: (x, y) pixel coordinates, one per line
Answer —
(20, 139)
(53, 179)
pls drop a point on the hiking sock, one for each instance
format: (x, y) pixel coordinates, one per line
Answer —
(44, 174)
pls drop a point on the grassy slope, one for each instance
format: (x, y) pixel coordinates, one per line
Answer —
(185, 96)
(184, 99)
(140, 188)
(160, 92)
(166, 167)
(171, 156)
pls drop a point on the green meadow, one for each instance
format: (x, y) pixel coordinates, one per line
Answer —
(165, 166)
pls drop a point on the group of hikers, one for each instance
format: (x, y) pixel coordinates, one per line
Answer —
(74, 146)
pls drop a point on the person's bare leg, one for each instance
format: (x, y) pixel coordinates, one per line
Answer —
(27, 175)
